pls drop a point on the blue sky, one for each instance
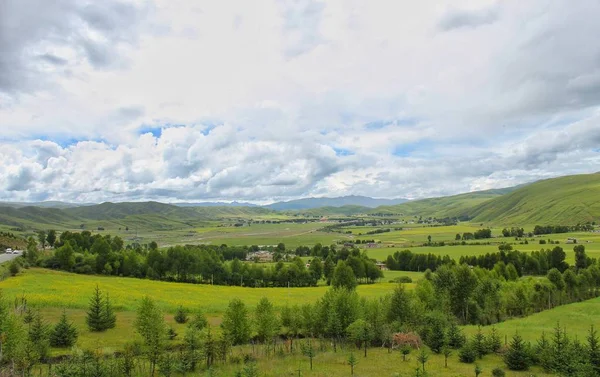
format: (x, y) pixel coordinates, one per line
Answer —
(203, 100)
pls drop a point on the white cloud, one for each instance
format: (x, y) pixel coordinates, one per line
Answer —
(270, 99)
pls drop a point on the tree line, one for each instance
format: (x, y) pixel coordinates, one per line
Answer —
(208, 264)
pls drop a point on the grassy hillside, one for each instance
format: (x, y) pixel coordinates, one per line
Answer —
(347, 210)
(144, 215)
(564, 200)
(448, 206)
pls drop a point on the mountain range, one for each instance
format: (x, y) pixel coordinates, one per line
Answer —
(563, 200)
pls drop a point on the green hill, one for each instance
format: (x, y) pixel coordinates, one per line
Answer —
(346, 210)
(143, 215)
(565, 200)
(448, 206)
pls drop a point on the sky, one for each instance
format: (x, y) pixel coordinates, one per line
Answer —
(185, 100)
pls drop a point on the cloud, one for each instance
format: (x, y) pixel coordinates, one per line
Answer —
(457, 19)
(60, 33)
(193, 100)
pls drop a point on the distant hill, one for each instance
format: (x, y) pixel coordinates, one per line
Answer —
(215, 204)
(143, 215)
(458, 206)
(352, 200)
(564, 200)
(347, 210)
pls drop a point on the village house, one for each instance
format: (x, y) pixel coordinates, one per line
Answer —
(262, 256)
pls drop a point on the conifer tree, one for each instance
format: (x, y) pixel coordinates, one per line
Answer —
(39, 336)
(593, 348)
(110, 318)
(352, 361)
(96, 312)
(455, 337)
(181, 315)
(64, 333)
(517, 357)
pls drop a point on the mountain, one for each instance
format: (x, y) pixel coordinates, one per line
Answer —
(142, 215)
(216, 204)
(564, 200)
(352, 200)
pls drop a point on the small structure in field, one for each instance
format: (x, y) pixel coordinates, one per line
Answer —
(382, 266)
(263, 256)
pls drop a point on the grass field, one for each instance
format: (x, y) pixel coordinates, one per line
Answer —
(576, 318)
(47, 288)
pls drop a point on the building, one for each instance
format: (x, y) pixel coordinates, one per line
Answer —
(382, 266)
(262, 256)
(571, 240)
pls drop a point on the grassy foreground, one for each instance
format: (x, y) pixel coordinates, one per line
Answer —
(55, 289)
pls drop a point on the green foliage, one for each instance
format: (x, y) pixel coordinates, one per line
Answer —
(198, 321)
(422, 358)
(14, 268)
(456, 339)
(181, 315)
(64, 333)
(150, 324)
(236, 325)
(493, 342)
(266, 323)
(343, 276)
(517, 355)
(100, 315)
(352, 361)
(498, 372)
(468, 353)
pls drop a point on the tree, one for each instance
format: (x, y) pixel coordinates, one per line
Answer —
(14, 268)
(447, 352)
(64, 333)
(199, 320)
(405, 350)
(467, 353)
(361, 332)
(343, 276)
(266, 322)
(42, 238)
(352, 361)
(593, 348)
(39, 336)
(181, 315)
(110, 318)
(479, 343)
(316, 269)
(31, 253)
(422, 358)
(493, 341)
(309, 351)
(517, 355)
(235, 325)
(437, 337)
(65, 256)
(456, 339)
(150, 324)
(51, 237)
(581, 259)
(96, 314)
(328, 268)
(478, 370)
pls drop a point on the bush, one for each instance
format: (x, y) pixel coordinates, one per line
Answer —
(181, 315)
(14, 268)
(497, 372)
(467, 354)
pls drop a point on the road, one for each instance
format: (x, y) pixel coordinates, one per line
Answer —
(6, 257)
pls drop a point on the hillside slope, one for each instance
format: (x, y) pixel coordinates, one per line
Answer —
(564, 200)
(447, 206)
